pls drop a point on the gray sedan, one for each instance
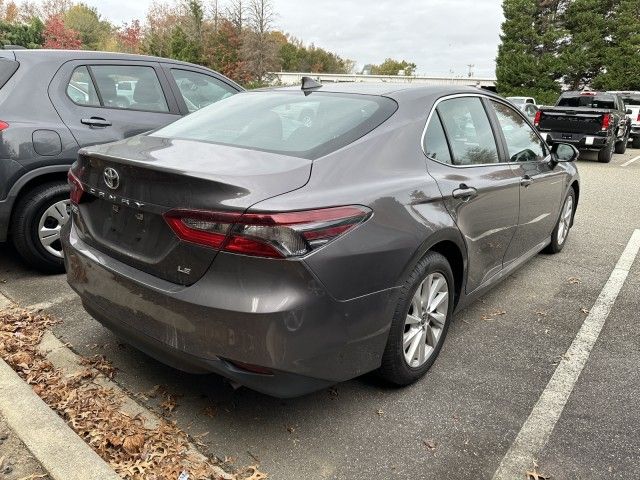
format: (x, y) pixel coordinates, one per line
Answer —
(289, 253)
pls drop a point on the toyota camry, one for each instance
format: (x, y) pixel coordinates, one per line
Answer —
(289, 239)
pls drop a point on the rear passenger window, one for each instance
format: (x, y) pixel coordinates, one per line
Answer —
(435, 141)
(129, 87)
(469, 131)
(80, 88)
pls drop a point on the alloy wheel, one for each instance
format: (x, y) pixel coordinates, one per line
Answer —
(565, 220)
(51, 222)
(425, 319)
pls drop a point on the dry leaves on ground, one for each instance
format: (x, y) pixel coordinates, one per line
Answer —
(135, 451)
(574, 280)
(536, 475)
(493, 315)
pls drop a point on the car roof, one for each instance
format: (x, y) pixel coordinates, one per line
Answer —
(394, 90)
(65, 55)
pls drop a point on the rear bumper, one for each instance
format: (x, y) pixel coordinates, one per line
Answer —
(579, 140)
(270, 313)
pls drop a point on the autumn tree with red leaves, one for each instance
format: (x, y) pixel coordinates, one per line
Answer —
(58, 36)
(130, 37)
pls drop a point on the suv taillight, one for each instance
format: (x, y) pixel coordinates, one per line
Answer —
(76, 188)
(606, 121)
(3, 125)
(638, 119)
(536, 120)
(273, 235)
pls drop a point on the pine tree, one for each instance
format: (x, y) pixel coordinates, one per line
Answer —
(622, 56)
(526, 62)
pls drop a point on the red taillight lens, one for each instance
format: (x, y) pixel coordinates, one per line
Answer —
(76, 188)
(606, 121)
(536, 120)
(638, 119)
(3, 125)
(273, 235)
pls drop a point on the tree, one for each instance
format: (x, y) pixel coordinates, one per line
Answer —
(86, 21)
(27, 35)
(129, 37)
(259, 50)
(622, 55)
(393, 67)
(57, 35)
(585, 51)
(527, 63)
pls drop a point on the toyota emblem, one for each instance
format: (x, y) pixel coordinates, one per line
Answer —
(111, 178)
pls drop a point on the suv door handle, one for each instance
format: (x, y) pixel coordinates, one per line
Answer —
(96, 122)
(526, 181)
(464, 192)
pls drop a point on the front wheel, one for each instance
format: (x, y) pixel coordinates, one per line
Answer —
(561, 231)
(37, 220)
(420, 322)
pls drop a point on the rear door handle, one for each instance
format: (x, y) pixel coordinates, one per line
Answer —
(526, 181)
(464, 192)
(96, 122)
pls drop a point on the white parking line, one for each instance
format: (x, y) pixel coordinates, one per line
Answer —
(536, 430)
(630, 161)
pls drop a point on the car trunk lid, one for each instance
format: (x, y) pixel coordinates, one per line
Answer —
(129, 185)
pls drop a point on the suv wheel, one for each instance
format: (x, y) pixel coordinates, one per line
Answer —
(420, 322)
(561, 231)
(606, 153)
(635, 142)
(37, 220)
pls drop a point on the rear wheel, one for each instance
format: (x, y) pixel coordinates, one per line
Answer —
(635, 143)
(606, 153)
(37, 220)
(561, 231)
(420, 322)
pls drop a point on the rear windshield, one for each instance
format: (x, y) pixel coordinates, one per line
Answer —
(590, 101)
(631, 99)
(7, 69)
(288, 123)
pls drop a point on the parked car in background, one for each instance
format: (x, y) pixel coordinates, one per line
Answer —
(632, 104)
(54, 102)
(288, 252)
(518, 101)
(587, 120)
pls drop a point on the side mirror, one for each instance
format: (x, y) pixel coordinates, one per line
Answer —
(629, 111)
(564, 152)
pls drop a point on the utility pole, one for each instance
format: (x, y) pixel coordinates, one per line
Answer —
(471, 65)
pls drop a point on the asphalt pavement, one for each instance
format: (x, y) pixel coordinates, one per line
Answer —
(461, 419)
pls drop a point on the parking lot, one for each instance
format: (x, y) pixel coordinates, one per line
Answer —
(461, 419)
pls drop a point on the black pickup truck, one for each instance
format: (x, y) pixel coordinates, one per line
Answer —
(587, 120)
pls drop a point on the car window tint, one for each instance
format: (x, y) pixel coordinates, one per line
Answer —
(199, 90)
(435, 141)
(129, 87)
(469, 131)
(80, 88)
(523, 144)
(588, 101)
(290, 123)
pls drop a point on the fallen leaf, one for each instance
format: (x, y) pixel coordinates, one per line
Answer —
(535, 475)
(492, 316)
(210, 411)
(133, 444)
(169, 404)
(585, 311)
(430, 444)
(380, 412)
(574, 280)
(290, 429)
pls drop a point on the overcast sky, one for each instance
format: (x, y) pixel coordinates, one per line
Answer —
(440, 36)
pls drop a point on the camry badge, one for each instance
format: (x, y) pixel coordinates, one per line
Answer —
(111, 178)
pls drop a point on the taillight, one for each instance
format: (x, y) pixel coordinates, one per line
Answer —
(76, 188)
(273, 235)
(638, 119)
(606, 121)
(536, 120)
(3, 125)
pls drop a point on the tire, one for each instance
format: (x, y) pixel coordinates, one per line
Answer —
(395, 367)
(635, 143)
(563, 226)
(606, 153)
(28, 220)
(621, 146)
